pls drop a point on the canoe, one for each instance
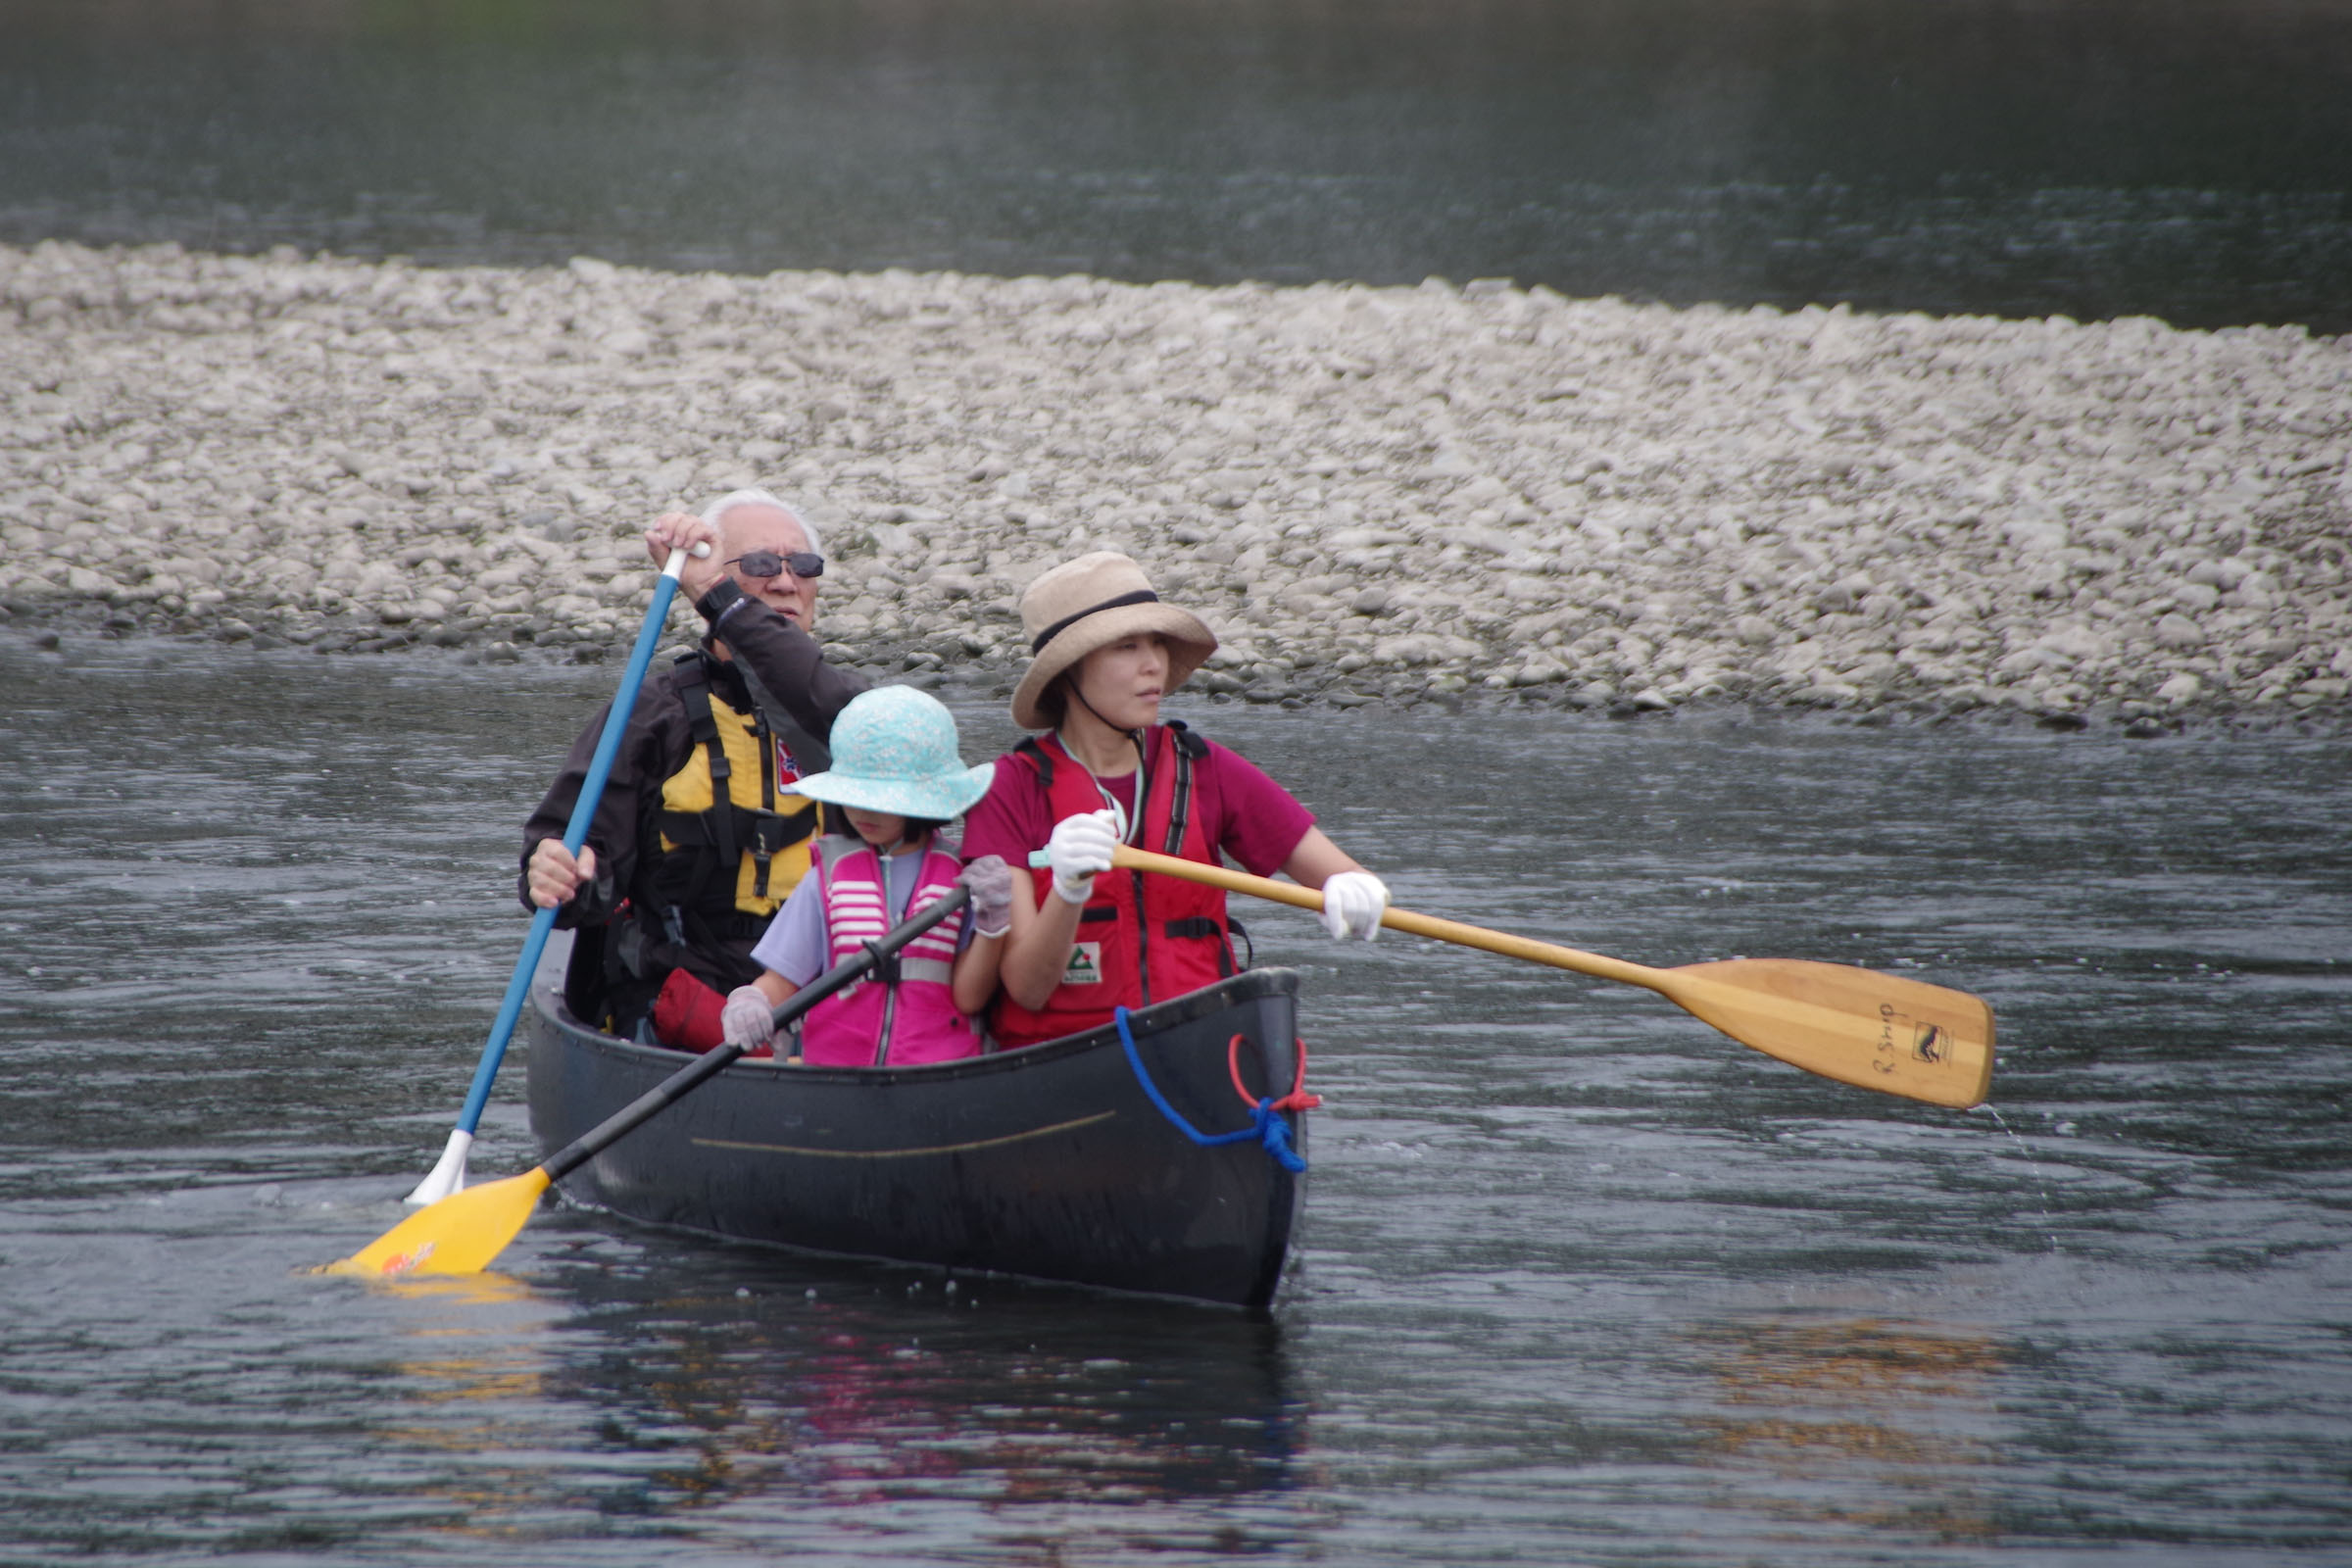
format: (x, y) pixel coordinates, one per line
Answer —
(1051, 1162)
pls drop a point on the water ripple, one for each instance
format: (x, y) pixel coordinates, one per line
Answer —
(1580, 1280)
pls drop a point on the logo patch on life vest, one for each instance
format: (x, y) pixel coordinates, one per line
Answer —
(1085, 966)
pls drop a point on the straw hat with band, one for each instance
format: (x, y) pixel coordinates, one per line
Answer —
(1091, 603)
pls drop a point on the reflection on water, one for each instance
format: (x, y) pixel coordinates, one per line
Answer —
(843, 1395)
(746, 1395)
(1579, 1281)
(1911, 1406)
(2080, 156)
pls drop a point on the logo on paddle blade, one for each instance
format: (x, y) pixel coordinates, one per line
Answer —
(1930, 1042)
(405, 1262)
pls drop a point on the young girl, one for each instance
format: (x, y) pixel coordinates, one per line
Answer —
(898, 779)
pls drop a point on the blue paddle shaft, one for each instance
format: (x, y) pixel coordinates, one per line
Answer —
(575, 834)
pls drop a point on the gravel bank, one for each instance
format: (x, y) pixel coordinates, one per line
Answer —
(1372, 492)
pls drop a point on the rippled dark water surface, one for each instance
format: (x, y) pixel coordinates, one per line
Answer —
(2012, 157)
(1581, 1281)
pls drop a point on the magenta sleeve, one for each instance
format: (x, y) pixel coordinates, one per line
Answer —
(1012, 818)
(1251, 819)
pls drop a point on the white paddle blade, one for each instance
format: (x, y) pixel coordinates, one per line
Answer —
(447, 1175)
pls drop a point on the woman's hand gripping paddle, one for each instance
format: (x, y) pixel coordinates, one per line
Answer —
(447, 1175)
(1858, 1026)
(462, 1233)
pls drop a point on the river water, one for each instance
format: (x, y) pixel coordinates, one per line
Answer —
(2012, 157)
(1579, 1281)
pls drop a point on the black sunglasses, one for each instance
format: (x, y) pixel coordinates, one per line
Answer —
(767, 563)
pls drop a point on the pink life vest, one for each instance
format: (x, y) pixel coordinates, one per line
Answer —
(883, 1021)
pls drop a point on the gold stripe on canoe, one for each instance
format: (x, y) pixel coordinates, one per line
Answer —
(906, 1153)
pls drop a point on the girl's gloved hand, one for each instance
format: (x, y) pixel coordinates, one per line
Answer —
(748, 1018)
(991, 882)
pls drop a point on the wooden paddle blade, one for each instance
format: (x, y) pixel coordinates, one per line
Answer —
(1858, 1026)
(1875, 1031)
(459, 1235)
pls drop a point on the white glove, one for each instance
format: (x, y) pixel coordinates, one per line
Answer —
(991, 882)
(748, 1018)
(1080, 847)
(1353, 903)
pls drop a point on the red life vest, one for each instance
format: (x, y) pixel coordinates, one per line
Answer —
(908, 1015)
(1141, 938)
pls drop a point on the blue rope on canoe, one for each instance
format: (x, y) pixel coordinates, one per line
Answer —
(1265, 1122)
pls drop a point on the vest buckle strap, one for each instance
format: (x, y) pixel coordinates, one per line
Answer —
(1199, 925)
(886, 965)
(773, 831)
(768, 837)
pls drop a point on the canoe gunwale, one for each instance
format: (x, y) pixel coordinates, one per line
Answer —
(1156, 1018)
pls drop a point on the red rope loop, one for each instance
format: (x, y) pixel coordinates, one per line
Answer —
(1296, 1099)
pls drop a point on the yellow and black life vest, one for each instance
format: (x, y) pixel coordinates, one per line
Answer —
(723, 828)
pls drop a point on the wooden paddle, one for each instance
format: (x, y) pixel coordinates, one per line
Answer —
(462, 1233)
(1858, 1026)
(448, 1174)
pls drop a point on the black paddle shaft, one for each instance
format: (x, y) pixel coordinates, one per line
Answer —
(710, 1063)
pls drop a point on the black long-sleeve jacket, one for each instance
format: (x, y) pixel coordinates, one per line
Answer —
(784, 660)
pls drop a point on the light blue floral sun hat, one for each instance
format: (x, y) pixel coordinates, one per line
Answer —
(894, 750)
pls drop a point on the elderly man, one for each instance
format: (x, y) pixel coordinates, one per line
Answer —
(694, 844)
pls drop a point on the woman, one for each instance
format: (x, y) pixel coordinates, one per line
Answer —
(1105, 653)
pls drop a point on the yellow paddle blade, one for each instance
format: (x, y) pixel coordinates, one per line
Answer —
(1858, 1026)
(459, 1235)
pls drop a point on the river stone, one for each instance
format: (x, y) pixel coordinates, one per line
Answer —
(1455, 485)
(2177, 631)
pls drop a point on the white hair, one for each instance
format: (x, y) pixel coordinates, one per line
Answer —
(716, 512)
